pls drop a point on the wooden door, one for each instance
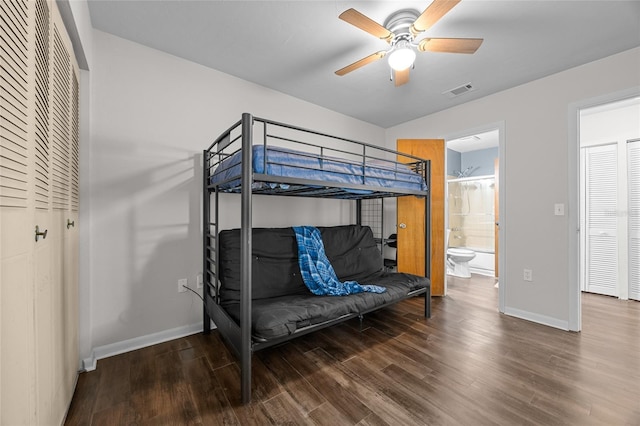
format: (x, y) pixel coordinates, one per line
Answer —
(411, 220)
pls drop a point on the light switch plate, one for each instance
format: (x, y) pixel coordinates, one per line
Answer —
(558, 209)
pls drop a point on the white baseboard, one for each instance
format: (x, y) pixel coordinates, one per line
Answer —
(100, 352)
(540, 319)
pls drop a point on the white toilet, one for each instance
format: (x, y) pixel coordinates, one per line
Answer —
(458, 260)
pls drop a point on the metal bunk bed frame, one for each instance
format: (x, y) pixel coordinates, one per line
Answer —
(238, 337)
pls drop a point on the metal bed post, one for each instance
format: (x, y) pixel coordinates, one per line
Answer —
(245, 257)
(382, 234)
(427, 248)
(206, 320)
(216, 271)
(358, 212)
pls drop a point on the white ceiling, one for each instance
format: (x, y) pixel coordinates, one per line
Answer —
(475, 142)
(295, 46)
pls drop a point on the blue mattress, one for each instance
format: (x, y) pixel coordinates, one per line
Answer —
(304, 165)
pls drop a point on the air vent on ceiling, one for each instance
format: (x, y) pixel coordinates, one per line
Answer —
(457, 91)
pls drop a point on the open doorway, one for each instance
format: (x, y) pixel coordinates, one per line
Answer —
(473, 241)
(610, 200)
(603, 202)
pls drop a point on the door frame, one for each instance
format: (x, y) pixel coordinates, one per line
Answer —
(573, 169)
(502, 211)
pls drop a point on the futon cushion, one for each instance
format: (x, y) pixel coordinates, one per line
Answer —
(351, 249)
(282, 303)
(281, 316)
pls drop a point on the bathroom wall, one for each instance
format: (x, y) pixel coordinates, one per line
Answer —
(454, 162)
(481, 160)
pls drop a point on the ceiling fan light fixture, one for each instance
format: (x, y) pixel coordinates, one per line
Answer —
(402, 57)
(399, 30)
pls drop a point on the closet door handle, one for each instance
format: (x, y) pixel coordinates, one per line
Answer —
(40, 234)
(70, 223)
(402, 226)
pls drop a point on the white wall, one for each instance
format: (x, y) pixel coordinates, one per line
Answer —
(619, 122)
(536, 177)
(152, 114)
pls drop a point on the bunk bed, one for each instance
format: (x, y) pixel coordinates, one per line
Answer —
(256, 156)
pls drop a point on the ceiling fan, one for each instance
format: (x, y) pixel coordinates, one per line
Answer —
(400, 30)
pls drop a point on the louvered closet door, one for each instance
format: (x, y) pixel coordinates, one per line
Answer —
(46, 250)
(17, 381)
(57, 313)
(71, 249)
(65, 176)
(38, 187)
(601, 198)
(633, 164)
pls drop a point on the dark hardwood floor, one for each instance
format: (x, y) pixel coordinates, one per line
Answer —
(467, 365)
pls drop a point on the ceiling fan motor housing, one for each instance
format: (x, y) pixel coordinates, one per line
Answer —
(399, 23)
(401, 55)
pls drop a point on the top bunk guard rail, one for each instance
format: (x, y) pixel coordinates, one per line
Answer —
(220, 140)
(291, 160)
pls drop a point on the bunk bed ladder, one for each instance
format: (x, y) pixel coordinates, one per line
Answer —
(206, 240)
(210, 250)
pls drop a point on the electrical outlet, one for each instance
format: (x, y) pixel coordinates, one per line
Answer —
(182, 284)
(199, 280)
(527, 275)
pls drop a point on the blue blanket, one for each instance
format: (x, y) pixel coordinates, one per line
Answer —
(317, 272)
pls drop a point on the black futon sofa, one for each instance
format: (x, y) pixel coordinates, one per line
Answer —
(282, 306)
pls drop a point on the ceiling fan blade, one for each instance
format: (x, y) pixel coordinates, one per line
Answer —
(401, 77)
(432, 14)
(450, 45)
(365, 23)
(362, 62)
